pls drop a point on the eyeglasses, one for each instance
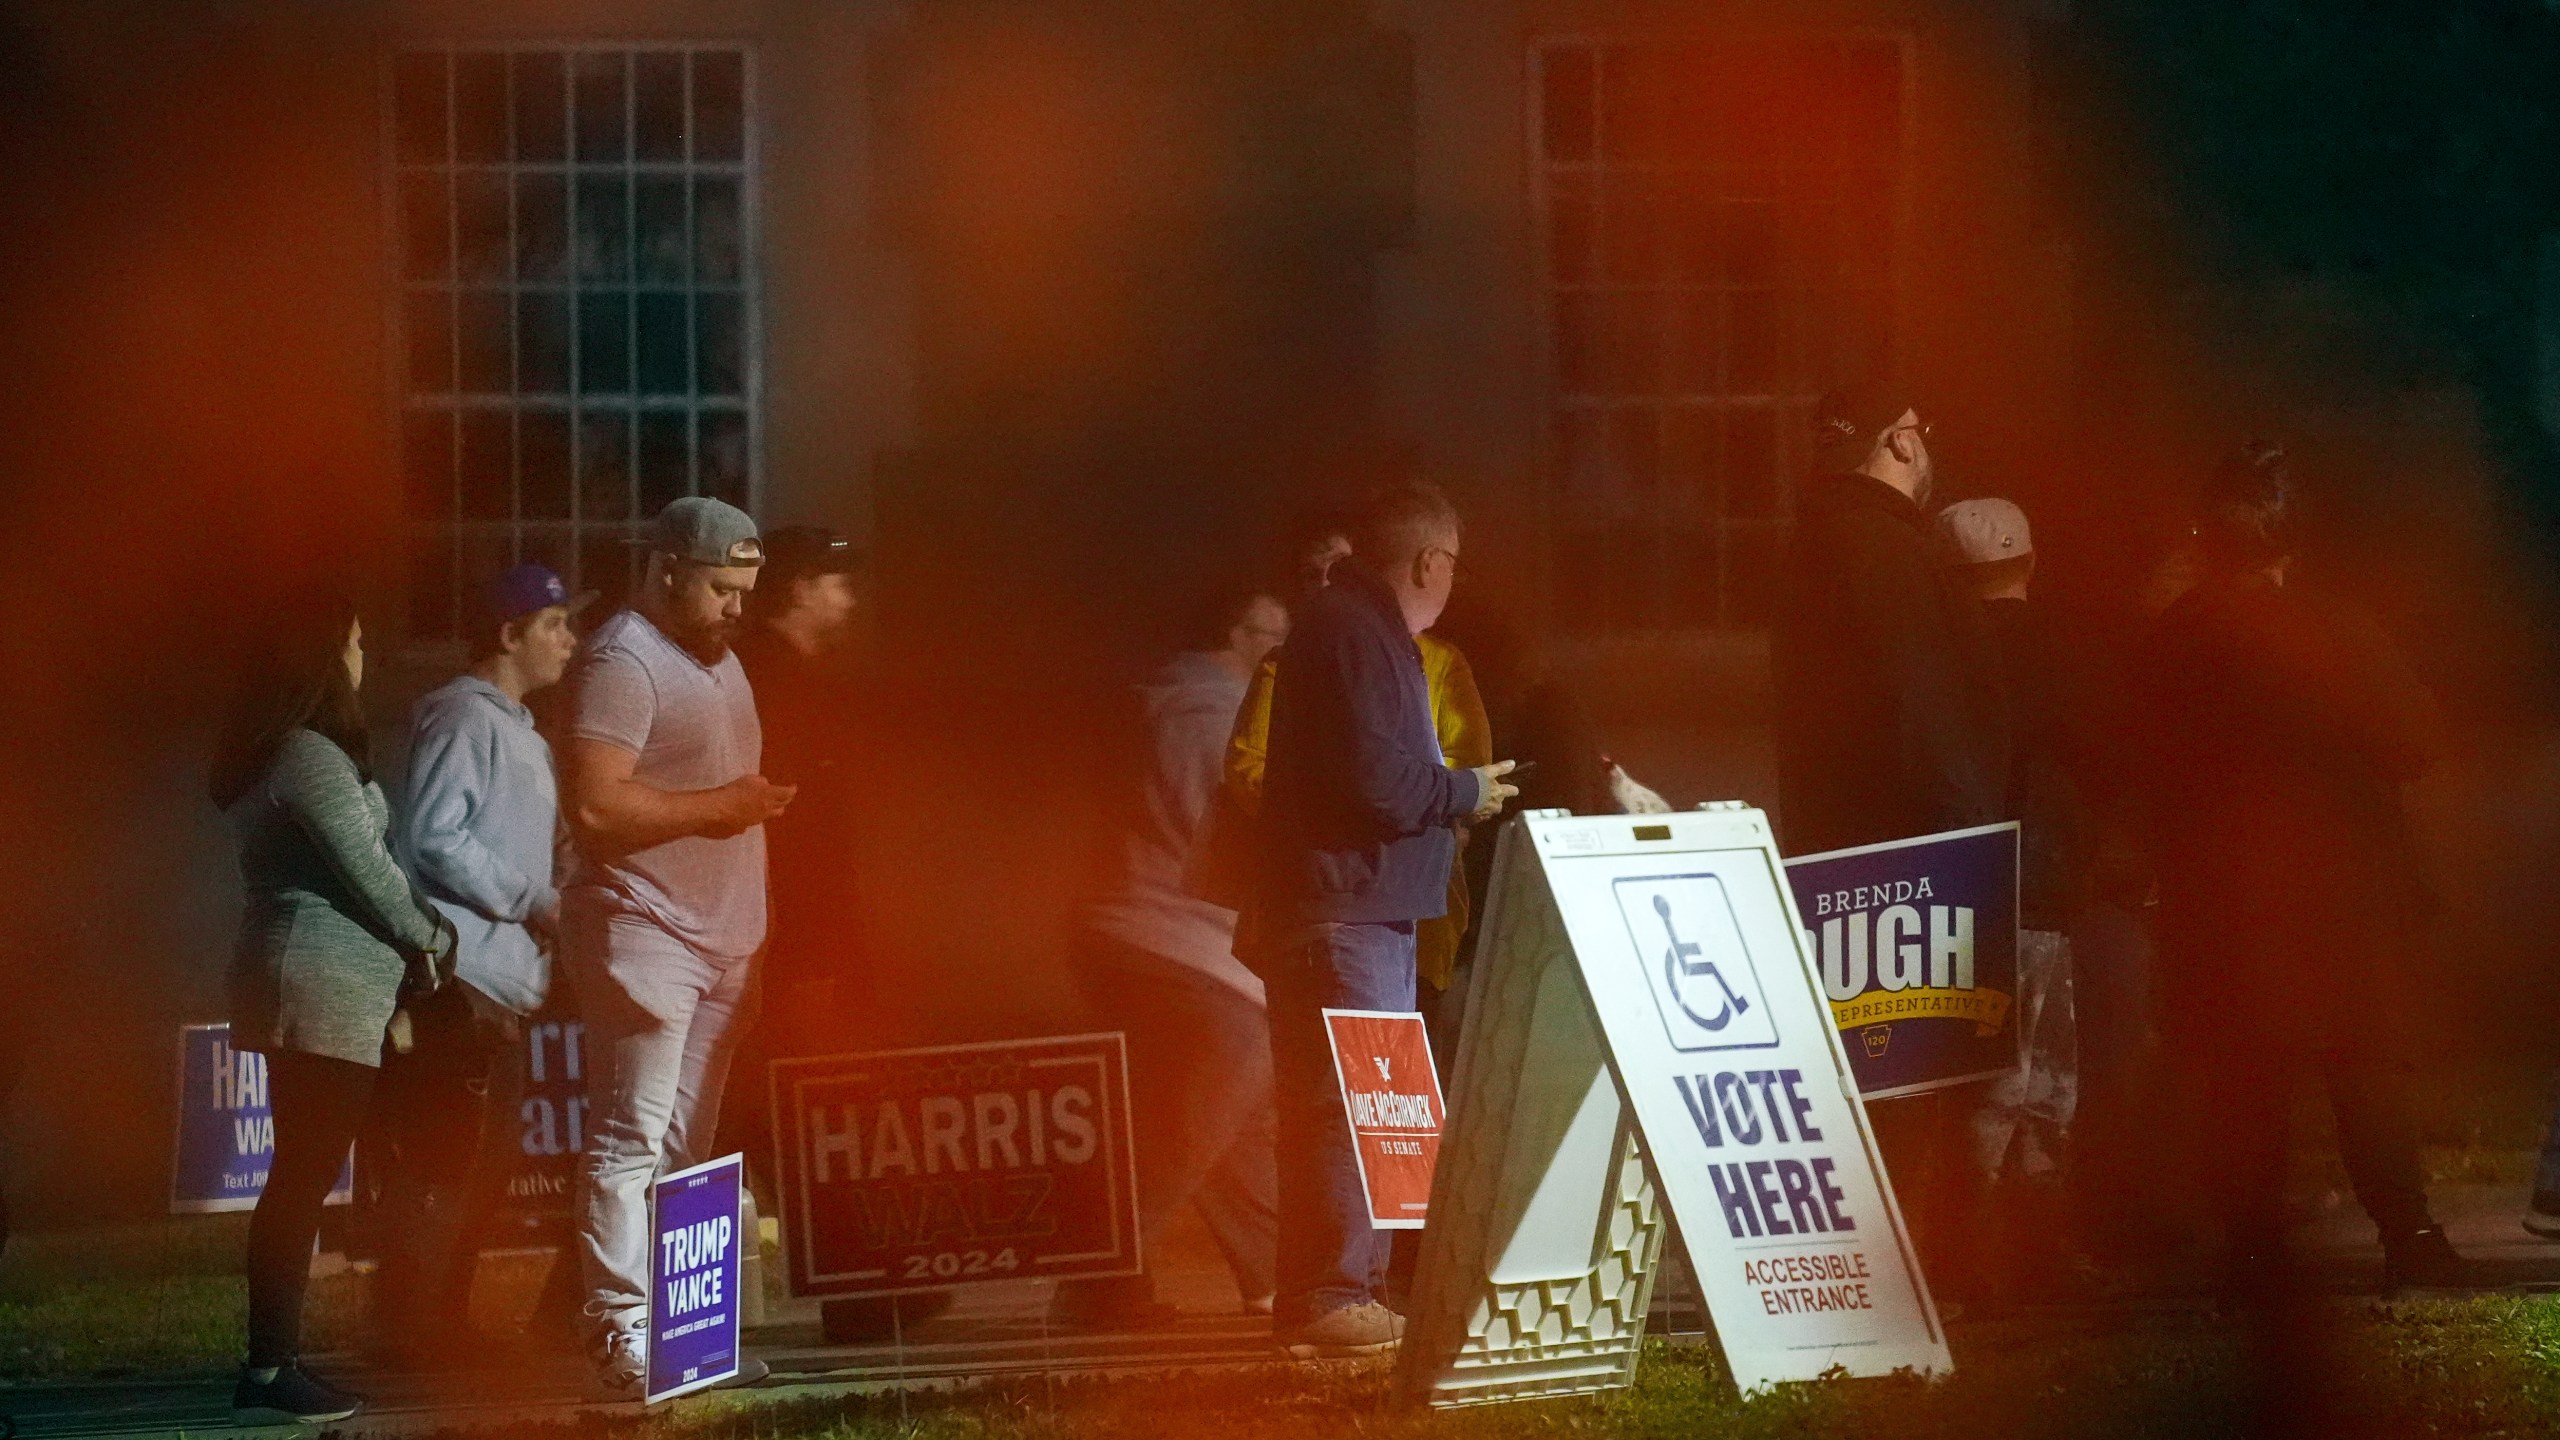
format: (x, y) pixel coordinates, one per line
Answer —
(1923, 429)
(1457, 571)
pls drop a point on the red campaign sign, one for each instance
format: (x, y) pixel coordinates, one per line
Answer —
(924, 1169)
(1392, 1097)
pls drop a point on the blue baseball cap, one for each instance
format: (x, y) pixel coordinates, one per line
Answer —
(518, 592)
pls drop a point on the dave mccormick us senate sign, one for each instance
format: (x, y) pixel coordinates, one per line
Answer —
(922, 1169)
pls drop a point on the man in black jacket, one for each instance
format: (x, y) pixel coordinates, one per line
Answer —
(1356, 846)
(1891, 722)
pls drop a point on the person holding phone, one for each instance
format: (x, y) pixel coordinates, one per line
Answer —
(663, 920)
(1359, 831)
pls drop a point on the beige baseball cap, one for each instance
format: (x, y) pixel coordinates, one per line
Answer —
(1985, 532)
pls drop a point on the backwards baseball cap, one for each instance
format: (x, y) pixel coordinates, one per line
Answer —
(1985, 532)
(796, 552)
(706, 532)
(515, 593)
(1857, 414)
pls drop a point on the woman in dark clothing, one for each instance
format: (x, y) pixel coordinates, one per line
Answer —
(332, 937)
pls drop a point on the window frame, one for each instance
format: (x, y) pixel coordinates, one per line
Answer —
(1792, 439)
(460, 535)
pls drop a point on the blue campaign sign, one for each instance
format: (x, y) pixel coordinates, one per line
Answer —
(696, 1261)
(551, 1123)
(226, 1127)
(1918, 941)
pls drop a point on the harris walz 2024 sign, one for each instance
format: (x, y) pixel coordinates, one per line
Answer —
(921, 1169)
(1918, 943)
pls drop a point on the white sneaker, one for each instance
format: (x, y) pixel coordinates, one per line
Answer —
(618, 1370)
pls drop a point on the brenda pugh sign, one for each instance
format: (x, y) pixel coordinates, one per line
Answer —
(226, 1127)
(1648, 1028)
(696, 1256)
(1391, 1096)
(1918, 941)
(921, 1169)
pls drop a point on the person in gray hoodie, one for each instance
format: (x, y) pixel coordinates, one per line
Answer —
(1159, 963)
(478, 825)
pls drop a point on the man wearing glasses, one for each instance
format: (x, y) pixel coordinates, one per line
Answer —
(1891, 721)
(1358, 809)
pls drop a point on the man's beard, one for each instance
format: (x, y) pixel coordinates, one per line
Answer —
(1924, 485)
(710, 641)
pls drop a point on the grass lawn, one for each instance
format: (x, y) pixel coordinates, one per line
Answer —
(2487, 1366)
(2478, 1367)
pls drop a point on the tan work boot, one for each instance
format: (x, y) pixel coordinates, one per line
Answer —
(1364, 1329)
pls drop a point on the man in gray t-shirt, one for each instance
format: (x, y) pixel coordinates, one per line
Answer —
(664, 913)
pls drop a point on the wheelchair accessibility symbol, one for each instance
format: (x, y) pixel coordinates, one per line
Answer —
(1695, 963)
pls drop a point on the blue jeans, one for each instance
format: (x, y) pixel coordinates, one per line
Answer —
(1330, 1258)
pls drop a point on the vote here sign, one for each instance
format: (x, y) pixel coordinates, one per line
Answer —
(226, 1138)
(922, 1169)
(1724, 1044)
(697, 1255)
(1391, 1096)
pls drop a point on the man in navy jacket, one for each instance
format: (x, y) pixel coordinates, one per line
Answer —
(1358, 811)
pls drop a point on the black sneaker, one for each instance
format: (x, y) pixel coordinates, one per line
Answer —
(2424, 1260)
(295, 1396)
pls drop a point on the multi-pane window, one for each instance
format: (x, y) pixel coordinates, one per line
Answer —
(1718, 225)
(577, 311)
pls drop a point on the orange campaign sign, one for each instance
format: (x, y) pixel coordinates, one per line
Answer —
(1392, 1097)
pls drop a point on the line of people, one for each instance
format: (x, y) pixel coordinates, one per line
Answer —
(1291, 841)
(2214, 838)
(388, 956)
(1292, 844)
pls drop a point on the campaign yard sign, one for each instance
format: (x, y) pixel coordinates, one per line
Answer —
(551, 1120)
(957, 1164)
(1391, 1096)
(1918, 942)
(697, 1253)
(226, 1127)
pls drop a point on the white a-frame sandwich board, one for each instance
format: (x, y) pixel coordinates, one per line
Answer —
(1647, 1029)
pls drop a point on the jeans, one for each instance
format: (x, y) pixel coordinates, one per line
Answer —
(319, 1105)
(1200, 1081)
(662, 1023)
(2024, 1124)
(1330, 1258)
(447, 1121)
